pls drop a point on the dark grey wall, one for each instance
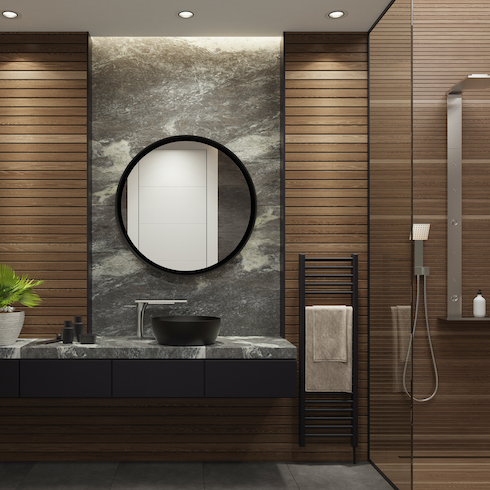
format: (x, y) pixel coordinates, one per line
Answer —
(225, 89)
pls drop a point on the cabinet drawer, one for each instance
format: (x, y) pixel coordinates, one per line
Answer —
(9, 378)
(158, 378)
(65, 378)
(250, 378)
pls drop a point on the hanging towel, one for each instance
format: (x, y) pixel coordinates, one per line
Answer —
(328, 367)
(329, 333)
(401, 320)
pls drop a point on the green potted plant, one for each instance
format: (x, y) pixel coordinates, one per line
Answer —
(14, 289)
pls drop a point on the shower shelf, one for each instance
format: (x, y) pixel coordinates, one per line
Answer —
(469, 319)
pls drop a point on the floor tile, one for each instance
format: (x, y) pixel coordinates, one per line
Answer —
(12, 474)
(332, 476)
(70, 476)
(165, 476)
(245, 476)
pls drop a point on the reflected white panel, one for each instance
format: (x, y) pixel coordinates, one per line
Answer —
(173, 168)
(183, 242)
(172, 205)
(182, 265)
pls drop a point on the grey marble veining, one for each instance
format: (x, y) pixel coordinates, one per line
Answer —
(228, 90)
(257, 347)
(251, 348)
(13, 351)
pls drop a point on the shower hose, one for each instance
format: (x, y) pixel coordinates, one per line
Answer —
(412, 336)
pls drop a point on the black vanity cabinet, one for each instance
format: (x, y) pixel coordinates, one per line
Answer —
(237, 378)
(60, 378)
(147, 378)
(9, 378)
(158, 378)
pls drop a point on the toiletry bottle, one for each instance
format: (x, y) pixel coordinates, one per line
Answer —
(68, 332)
(79, 328)
(479, 306)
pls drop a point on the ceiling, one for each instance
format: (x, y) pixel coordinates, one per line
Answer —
(212, 17)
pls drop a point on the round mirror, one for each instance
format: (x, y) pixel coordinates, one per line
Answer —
(186, 205)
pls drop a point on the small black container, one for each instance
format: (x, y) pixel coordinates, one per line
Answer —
(79, 328)
(68, 332)
(185, 330)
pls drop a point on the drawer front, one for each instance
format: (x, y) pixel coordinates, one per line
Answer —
(9, 378)
(65, 378)
(158, 378)
(250, 378)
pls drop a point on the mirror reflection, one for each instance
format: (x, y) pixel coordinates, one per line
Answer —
(186, 206)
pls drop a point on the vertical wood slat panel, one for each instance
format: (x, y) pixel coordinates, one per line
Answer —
(326, 171)
(43, 167)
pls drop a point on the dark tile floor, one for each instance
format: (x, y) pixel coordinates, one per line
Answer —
(190, 476)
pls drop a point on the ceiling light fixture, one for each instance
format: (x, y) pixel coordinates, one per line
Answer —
(186, 14)
(336, 14)
(10, 14)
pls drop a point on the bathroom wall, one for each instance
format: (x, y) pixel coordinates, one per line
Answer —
(228, 90)
(43, 170)
(452, 41)
(326, 178)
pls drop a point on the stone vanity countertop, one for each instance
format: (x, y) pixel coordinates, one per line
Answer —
(132, 348)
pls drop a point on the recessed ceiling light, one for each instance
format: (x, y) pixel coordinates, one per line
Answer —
(9, 14)
(186, 14)
(336, 14)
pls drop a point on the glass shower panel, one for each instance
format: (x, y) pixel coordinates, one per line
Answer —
(391, 273)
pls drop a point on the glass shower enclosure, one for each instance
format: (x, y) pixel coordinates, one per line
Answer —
(390, 249)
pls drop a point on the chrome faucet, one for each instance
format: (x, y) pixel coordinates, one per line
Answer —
(142, 304)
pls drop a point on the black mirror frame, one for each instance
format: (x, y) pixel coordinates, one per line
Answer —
(198, 139)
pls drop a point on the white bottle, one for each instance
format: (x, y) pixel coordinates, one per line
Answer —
(479, 305)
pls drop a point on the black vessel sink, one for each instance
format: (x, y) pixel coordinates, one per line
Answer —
(185, 330)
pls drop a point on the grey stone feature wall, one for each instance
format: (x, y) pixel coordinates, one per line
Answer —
(224, 89)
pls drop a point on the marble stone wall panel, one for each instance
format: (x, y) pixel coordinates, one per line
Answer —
(225, 89)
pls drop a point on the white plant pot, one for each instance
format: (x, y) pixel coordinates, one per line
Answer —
(10, 326)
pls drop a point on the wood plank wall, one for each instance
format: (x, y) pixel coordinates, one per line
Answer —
(326, 174)
(43, 170)
(327, 214)
(452, 41)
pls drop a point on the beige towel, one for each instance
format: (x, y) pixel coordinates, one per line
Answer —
(401, 319)
(329, 332)
(328, 375)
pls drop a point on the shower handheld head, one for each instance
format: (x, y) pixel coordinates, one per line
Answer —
(420, 233)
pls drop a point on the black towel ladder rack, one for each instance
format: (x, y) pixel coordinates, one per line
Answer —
(328, 414)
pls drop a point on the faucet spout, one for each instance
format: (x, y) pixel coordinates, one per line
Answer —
(142, 304)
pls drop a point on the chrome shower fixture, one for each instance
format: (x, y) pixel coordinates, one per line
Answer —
(420, 231)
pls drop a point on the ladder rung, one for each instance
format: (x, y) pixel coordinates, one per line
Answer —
(329, 292)
(328, 427)
(323, 418)
(329, 410)
(328, 401)
(328, 284)
(329, 275)
(333, 267)
(329, 435)
(327, 259)
(329, 418)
